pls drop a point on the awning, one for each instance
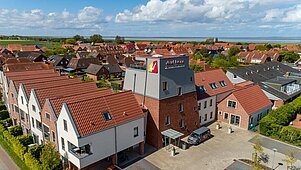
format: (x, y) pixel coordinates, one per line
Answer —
(172, 133)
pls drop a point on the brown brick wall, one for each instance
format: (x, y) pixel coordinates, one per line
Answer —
(50, 123)
(12, 101)
(159, 110)
(239, 111)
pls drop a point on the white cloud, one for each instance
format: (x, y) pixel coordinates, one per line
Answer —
(284, 15)
(86, 18)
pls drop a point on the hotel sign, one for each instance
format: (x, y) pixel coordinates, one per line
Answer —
(175, 63)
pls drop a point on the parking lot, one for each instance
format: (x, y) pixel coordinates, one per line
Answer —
(214, 154)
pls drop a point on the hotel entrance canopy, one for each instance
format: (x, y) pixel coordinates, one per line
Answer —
(172, 134)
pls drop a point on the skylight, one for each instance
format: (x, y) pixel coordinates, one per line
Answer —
(223, 83)
(202, 89)
(107, 116)
(213, 86)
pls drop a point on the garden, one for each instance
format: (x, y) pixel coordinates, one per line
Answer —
(21, 148)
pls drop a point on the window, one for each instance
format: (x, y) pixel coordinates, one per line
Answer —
(223, 83)
(167, 120)
(220, 113)
(210, 102)
(136, 131)
(22, 100)
(191, 79)
(235, 120)
(164, 85)
(48, 116)
(213, 86)
(181, 123)
(107, 116)
(65, 125)
(46, 132)
(27, 119)
(205, 117)
(180, 107)
(211, 115)
(12, 95)
(12, 108)
(200, 119)
(39, 124)
(22, 115)
(202, 89)
(179, 91)
(199, 106)
(226, 115)
(205, 104)
(32, 121)
(53, 137)
(63, 143)
(33, 108)
(232, 104)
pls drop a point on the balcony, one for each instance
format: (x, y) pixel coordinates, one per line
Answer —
(80, 152)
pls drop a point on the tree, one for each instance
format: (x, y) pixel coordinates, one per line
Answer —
(119, 40)
(290, 160)
(196, 68)
(70, 41)
(258, 155)
(233, 51)
(50, 158)
(78, 38)
(261, 48)
(96, 38)
(268, 46)
(289, 56)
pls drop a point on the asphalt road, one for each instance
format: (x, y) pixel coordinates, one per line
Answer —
(6, 163)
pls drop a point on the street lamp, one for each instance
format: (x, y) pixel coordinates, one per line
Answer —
(275, 150)
(279, 164)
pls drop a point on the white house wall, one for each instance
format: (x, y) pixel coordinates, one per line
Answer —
(207, 110)
(35, 115)
(125, 134)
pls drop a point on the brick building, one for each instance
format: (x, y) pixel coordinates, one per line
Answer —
(165, 86)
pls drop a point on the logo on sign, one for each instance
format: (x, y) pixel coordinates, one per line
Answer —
(153, 67)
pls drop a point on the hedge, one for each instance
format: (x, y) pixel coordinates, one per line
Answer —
(276, 123)
(16, 130)
(2, 107)
(4, 114)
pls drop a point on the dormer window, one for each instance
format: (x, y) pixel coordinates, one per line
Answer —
(107, 116)
(213, 86)
(223, 83)
(202, 89)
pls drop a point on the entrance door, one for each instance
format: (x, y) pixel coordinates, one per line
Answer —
(235, 120)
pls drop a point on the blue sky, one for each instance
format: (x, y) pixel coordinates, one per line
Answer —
(183, 18)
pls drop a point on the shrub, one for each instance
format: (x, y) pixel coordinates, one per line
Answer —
(102, 84)
(36, 151)
(15, 131)
(6, 122)
(2, 107)
(4, 114)
(50, 158)
(25, 140)
(31, 162)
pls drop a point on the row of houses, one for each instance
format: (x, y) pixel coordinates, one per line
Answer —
(84, 124)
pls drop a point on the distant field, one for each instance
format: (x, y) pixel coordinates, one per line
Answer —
(4, 43)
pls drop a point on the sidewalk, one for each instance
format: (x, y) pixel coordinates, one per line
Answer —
(6, 163)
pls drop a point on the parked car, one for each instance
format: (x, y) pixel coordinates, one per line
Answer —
(199, 135)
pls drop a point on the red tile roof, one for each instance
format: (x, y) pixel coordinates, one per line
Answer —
(87, 114)
(252, 98)
(67, 89)
(213, 76)
(57, 102)
(29, 74)
(20, 67)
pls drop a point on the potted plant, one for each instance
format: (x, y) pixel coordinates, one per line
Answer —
(230, 130)
(218, 125)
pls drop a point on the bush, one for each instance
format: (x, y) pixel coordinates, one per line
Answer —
(102, 84)
(6, 122)
(276, 123)
(25, 140)
(36, 151)
(16, 131)
(4, 114)
(31, 162)
(50, 158)
(2, 107)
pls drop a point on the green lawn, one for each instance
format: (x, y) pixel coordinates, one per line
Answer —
(47, 44)
(12, 154)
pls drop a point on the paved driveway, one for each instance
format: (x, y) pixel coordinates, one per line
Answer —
(214, 154)
(6, 163)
